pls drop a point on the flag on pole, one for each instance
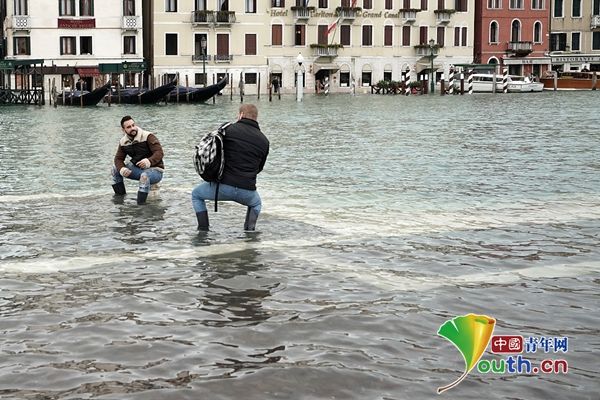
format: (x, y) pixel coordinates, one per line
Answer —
(337, 21)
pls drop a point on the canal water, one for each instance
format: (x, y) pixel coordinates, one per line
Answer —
(383, 217)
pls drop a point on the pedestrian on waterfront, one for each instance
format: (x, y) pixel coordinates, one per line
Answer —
(145, 163)
(246, 149)
(275, 83)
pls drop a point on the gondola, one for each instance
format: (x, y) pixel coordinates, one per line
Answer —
(196, 95)
(82, 98)
(143, 96)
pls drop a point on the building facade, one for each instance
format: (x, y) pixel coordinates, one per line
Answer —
(74, 37)
(343, 43)
(513, 33)
(575, 35)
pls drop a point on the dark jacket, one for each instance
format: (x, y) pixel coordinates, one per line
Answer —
(143, 145)
(246, 150)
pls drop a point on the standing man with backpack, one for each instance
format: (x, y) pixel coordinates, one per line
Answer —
(245, 151)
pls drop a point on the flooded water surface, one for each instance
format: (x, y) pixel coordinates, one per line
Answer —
(383, 217)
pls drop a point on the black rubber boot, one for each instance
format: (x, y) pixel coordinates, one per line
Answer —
(119, 188)
(202, 218)
(141, 197)
(251, 217)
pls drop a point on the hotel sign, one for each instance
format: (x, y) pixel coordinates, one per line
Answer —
(77, 23)
(581, 59)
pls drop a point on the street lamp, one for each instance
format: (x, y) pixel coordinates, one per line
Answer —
(300, 78)
(431, 81)
(203, 45)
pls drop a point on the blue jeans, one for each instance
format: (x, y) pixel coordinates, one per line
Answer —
(206, 191)
(147, 177)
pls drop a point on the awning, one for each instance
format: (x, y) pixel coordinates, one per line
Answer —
(332, 67)
(424, 63)
(86, 72)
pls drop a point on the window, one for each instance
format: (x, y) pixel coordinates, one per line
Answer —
(494, 4)
(21, 7)
(537, 32)
(250, 78)
(515, 31)
(406, 4)
(461, 5)
(129, 7)
(368, 4)
(575, 41)
(66, 8)
(366, 78)
(494, 34)
(251, 6)
(388, 34)
(441, 5)
(299, 35)
(223, 46)
(576, 11)
(21, 46)
(558, 41)
(558, 9)
(424, 5)
(170, 5)
(440, 35)
(389, 4)
(250, 44)
(344, 79)
(323, 4)
(278, 3)
(86, 8)
(85, 45)
(67, 45)
(345, 35)
(128, 44)
(367, 35)
(537, 4)
(595, 40)
(423, 35)
(199, 79)
(198, 50)
(322, 34)
(596, 7)
(223, 5)
(387, 75)
(460, 36)
(276, 35)
(171, 44)
(516, 4)
(406, 35)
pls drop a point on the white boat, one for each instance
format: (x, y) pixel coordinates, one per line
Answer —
(484, 83)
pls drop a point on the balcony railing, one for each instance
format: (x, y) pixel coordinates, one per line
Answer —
(21, 22)
(198, 58)
(202, 17)
(299, 12)
(423, 50)
(225, 17)
(131, 23)
(409, 14)
(520, 48)
(595, 22)
(324, 50)
(443, 16)
(223, 58)
(348, 12)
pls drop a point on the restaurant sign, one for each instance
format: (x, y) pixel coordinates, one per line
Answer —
(70, 23)
(575, 58)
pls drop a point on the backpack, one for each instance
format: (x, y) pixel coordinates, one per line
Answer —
(209, 157)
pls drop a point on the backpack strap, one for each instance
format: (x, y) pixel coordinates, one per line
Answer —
(221, 130)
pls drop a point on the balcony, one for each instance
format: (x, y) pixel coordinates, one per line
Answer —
(520, 49)
(21, 22)
(595, 22)
(348, 13)
(225, 17)
(443, 16)
(131, 23)
(223, 58)
(408, 14)
(325, 50)
(199, 58)
(423, 50)
(203, 17)
(299, 12)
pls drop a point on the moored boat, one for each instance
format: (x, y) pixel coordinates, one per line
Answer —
(142, 96)
(571, 80)
(82, 98)
(484, 83)
(186, 94)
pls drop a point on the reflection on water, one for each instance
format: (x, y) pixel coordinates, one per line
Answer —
(383, 217)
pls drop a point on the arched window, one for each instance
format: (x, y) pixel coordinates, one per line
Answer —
(515, 32)
(494, 32)
(493, 61)
(537, 32)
